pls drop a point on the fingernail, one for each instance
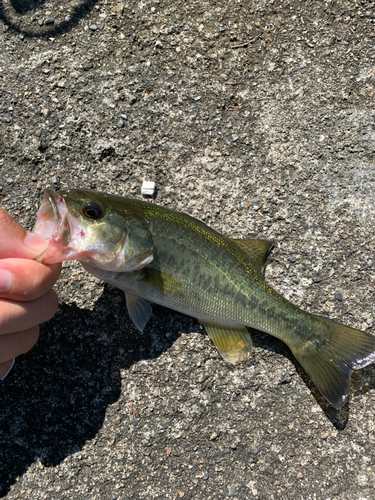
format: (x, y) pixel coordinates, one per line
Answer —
(7, 373)
(5, 280)
(36, 242)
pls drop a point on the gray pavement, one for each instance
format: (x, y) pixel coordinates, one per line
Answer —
(255, 117)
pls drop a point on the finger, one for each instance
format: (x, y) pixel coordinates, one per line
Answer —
(5, 368)
(24, 279)
(16, 316)
(15, 241)
(14, 344)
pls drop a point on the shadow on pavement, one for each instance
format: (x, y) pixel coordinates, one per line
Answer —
(24, 8)
(56, 397)
(362, 380)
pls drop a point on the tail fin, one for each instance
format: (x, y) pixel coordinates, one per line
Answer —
(330, 363)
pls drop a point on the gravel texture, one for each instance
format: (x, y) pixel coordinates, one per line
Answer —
(256, 117)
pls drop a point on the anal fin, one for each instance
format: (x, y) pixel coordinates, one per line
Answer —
(233, 342)
(139, 310)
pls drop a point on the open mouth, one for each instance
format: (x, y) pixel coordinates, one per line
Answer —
(52, 224)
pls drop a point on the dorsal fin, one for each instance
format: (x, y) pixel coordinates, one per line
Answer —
(257, 251)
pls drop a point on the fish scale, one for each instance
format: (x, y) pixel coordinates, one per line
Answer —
(169, 258)
(237, 297)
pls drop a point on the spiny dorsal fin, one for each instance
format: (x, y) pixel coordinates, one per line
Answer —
(233, 342)
(257, 251)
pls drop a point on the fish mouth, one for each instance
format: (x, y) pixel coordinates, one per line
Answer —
(52, 223)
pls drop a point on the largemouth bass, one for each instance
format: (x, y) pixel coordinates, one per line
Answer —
(156, 255)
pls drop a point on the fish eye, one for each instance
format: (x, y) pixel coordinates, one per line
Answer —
(92, 210)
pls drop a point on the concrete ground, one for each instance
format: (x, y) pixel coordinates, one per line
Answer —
(256, 117)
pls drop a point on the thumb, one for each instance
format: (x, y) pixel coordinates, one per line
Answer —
(16, 242)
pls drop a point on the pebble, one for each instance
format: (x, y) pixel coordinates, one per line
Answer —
(24, 190)
(292, 259)
(231, 491)
(48, 21)
(234, 137)
(93, 27)
(120, 124)
(119, 9)
(338, 296)
(10, 180)
(317, 279)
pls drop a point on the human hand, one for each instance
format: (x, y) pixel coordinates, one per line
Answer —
(26, 295)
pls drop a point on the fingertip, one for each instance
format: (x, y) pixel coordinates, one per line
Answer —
(36, 242)
(56, 297)
(6, 279)
(5, 217)
(30, 338)
(9, 227)
(53, 305)
(16, 242)
(33, 337)
(5, 368)
(56, 269)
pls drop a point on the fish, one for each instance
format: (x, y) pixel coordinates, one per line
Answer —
(161, 256)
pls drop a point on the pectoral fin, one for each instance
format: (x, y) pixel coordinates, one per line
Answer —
(233, 342)
(139, 310)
